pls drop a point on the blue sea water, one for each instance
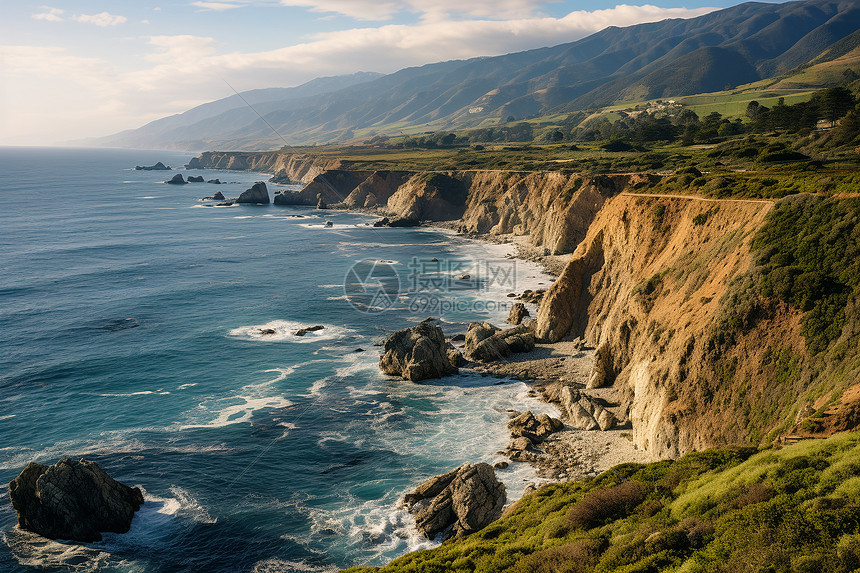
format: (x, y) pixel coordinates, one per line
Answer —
(131, 318)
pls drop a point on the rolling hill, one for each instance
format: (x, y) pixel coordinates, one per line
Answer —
(721, 50)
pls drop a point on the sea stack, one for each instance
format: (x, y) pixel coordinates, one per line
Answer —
(73, 500)
(259, 194)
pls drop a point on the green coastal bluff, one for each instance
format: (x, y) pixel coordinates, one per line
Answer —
(730, 509)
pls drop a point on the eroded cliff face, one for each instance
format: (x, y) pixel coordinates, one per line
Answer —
(294, 167)
(647, 287)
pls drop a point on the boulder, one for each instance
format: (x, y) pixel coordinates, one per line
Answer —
(193, 179)
(177, 180)
(417, 353)
(258, 193)
(604, 418)
(157, 167)
(535, 428)
(382, 222)
(486, 343)
(215, 181)
(408, 221)
(73, 500)
(457, 503)
(518, 313)
(216, 197)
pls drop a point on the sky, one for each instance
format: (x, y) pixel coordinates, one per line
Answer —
(78, 69)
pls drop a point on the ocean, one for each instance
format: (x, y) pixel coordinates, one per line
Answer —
(153, 333)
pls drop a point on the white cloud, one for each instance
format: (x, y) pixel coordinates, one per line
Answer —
(102, 19)
(50, 14)
(216, 6)
(96, 96)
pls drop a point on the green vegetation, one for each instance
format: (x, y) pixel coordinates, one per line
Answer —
(809, 257)
(725, 510)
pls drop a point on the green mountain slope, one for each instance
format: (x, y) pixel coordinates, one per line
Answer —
(738, 45)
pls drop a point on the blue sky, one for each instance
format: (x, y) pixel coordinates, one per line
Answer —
(78, 69)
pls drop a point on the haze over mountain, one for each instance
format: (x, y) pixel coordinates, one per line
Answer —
(720, 50)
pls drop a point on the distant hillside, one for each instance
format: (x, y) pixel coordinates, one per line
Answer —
(721, 50)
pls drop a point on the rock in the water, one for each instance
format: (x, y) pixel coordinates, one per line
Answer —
(258, 193)
(268, 331)
(382, 222)
(457, 503)
(328, 224)
(410, 221)
(417, 353)
(305, 330)
(518, 313)
(157, 167)
(215, 181)
(193, 179)
(177, 180)
(73, 500)
(216, 197)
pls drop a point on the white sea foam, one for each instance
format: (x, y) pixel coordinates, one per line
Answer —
(284, 331)
(32, 550)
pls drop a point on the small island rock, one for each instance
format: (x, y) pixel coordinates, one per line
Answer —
(177, 180)
(197, 179)
(259, 193)
(73, 500)
(157, 167)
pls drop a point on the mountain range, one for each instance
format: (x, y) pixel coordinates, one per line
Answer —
(676, 57)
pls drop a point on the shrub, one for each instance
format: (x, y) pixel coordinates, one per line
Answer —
(602, 505)
(577, 557)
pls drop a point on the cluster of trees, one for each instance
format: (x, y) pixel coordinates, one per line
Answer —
(435, 140)
(649, 127)
(828, 105)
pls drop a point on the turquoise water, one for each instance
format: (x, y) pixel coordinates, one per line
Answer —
(130, 317)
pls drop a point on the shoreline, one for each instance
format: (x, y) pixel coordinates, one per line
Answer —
(570, 454)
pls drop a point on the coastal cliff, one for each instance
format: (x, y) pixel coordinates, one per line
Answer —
(673, 291)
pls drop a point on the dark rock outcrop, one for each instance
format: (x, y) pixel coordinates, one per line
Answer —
(195, 179)
(73, 500)
(382, 222)
(177, 180)
(305, 330)
(457, 503)
(404, 222)
(157, 167)
(417, 353)
(518, 313)
(215, 181)
(258, 193)
(216, 197)
(486, 343)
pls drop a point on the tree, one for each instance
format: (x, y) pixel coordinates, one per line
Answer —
(835, 102)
